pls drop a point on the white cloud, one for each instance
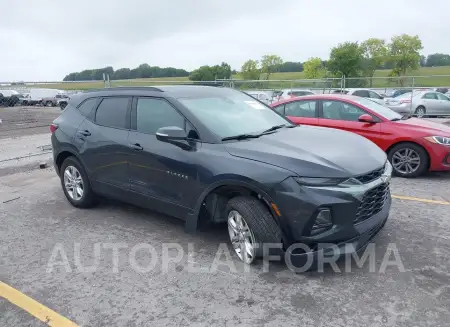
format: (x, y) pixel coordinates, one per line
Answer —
(45, 40)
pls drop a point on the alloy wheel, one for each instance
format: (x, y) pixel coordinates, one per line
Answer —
(73, 182)
(241, 237)
(406, 161)
(420, 112)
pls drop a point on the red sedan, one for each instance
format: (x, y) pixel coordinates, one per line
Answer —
(413, 145)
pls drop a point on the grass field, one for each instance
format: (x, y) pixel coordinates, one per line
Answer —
(381, 80)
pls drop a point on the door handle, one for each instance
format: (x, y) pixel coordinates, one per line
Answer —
(137, 147)
(85, 133)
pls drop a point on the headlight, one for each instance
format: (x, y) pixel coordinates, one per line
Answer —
(444, 140)
(318, 181)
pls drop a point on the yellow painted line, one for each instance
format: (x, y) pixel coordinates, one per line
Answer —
(409, 198)
(34, 308)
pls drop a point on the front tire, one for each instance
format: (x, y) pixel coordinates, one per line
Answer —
(250, 226)
(76, 185)
(420, 111)
(408, 160)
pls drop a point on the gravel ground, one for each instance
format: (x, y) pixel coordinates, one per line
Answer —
(20, 121)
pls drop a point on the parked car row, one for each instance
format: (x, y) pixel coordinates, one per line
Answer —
(38, 96)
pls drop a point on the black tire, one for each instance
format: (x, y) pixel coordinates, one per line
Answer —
(89, 198)
(260, 221)
(424, 111)
(49, 104)
(424, 159)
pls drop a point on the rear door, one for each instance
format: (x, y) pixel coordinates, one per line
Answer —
(102, 140)
(342, 115)
(302, 112)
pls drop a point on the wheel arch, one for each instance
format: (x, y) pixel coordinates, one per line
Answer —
(62, 155)
(227, 189)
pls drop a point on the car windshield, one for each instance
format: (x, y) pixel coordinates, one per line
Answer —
(378, 109)
(233, 113)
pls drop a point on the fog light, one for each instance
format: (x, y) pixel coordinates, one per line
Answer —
(323, 219)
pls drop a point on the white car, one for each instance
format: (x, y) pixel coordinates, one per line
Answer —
(261, 96)
(364, 93)
(292, 93)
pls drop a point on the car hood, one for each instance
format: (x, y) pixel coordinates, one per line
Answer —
(313, 151)
(427, 127)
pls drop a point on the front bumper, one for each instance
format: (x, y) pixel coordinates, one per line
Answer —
(326, 251)
(299, 206)
(439, 157)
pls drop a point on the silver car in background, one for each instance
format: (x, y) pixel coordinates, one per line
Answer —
(420, 103)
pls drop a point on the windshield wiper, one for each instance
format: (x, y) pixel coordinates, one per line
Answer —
(241, 137)
(407, 116)
(274, 128)
(395, 119)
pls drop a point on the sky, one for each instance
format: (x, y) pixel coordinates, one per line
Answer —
(45, 40)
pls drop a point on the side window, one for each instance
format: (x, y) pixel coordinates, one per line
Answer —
(431, 96)
(112, 112)
(361, 93)
(86, 107)
(279, 109)
(152, 114)
(338, 110)
(442, 97)
(373, 95)
(301, 109)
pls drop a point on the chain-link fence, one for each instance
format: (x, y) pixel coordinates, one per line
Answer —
(47, 93)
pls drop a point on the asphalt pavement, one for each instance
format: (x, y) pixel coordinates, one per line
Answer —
(58, 265)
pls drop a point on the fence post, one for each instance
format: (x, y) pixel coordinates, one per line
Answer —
(412, 92)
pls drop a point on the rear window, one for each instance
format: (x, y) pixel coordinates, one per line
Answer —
(86, 107)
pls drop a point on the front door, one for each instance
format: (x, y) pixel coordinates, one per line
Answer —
(159, 170)
(342, 115)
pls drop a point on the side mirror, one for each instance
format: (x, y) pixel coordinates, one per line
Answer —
(366, 119)
(171, 133)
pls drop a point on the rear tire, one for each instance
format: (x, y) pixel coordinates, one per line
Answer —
(259, 228)
(408, 153)
(420, 111)
(80, 194)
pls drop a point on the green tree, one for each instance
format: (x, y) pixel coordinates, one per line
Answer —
(346, 59)
(250, 70)
(204, 73)
(314, 68)
(404, 52)
(270, 64)
(438, 59)
(289, 67)
(374, 55)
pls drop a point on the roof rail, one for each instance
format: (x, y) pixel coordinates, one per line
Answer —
(125, 88)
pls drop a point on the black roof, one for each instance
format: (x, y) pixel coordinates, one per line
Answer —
(175, 91)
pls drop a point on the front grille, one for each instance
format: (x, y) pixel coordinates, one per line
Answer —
(373, 175)
(372, 202)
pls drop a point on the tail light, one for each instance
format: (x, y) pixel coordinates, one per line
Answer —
(53, 128)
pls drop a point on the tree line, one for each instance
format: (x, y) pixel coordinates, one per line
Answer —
(142, 71)
(401, 54)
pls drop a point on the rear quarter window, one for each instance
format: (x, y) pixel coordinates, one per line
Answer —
(86, 106)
